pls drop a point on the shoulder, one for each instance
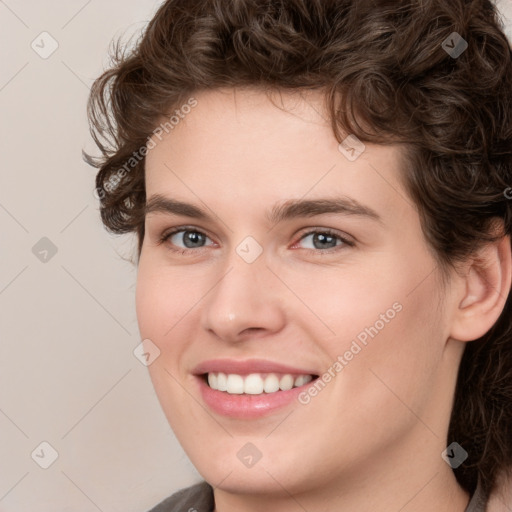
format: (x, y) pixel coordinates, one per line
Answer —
(196, 498)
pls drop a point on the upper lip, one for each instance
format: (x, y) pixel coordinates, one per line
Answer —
(247, 367)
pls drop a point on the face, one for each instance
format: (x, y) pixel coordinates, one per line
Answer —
(342, 290)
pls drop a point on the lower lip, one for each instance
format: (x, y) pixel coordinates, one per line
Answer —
(248, 406)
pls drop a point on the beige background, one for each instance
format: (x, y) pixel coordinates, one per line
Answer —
(68, 375)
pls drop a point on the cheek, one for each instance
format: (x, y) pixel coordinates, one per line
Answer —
(159, 310)
(161, 300)
(399, 363)
(389, 330)
(147, 303)
(347, 302)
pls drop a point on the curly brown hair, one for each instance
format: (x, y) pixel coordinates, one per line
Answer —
(388, 75)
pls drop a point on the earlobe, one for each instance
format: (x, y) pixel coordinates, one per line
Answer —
(486, 287)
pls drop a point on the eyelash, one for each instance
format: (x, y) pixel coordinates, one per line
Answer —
(325, 231)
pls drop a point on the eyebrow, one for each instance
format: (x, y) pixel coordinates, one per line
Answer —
(293, 208)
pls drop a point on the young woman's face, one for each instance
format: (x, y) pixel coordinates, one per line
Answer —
(347, 291)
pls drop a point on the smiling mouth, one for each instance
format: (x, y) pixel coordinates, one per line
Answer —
(255, 383)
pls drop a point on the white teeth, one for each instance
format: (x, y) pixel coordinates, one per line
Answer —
(235, 384)
(222, 382)
(213, 381)
(255, 383)
(301, 380)
(286, 382)
(271, 383)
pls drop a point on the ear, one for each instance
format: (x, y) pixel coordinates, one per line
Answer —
(482, 291)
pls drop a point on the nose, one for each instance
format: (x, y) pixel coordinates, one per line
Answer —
(246, 301)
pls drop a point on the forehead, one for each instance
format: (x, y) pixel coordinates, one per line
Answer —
(240, 146)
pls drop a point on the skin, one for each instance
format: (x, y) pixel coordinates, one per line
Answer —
(501, 499)
(372, 438)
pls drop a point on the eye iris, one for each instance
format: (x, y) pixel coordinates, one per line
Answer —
(194, 237)
(324, 237)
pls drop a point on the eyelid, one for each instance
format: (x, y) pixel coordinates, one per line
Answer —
(346, 239)
(166, 234)
(331, 231)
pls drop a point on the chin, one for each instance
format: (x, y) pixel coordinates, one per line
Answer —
(264, 477)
